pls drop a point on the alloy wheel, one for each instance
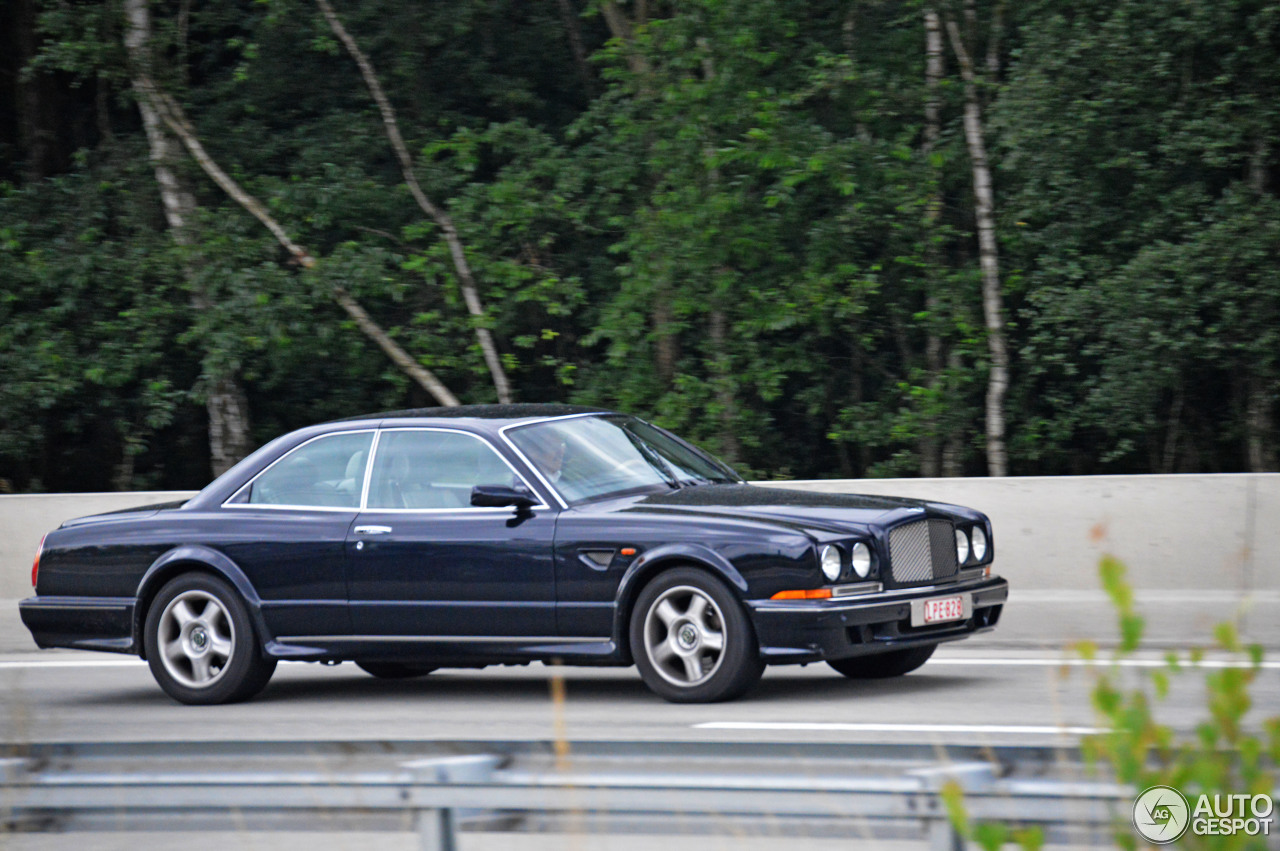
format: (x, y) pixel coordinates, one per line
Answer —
(197, 639)
(684, 636)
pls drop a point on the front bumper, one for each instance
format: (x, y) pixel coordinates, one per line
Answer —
(88, 623)
(793, 631)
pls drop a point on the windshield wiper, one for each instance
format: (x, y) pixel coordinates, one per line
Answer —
(654, 459)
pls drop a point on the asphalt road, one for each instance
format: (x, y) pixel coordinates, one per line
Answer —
(967, 694)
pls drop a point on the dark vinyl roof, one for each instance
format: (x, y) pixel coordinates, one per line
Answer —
(484, 412)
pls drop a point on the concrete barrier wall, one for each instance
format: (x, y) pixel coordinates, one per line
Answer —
(1200, 549)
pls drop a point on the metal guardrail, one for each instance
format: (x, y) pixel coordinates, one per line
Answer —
(433, 788)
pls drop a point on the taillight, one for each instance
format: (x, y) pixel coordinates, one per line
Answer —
(35, 566)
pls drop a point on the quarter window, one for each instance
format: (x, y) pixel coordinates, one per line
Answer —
(327, 472)
(434, 469)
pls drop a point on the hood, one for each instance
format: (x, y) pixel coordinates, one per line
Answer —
(831, 512)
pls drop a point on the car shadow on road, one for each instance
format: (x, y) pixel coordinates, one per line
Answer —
(783, 687)
(533, 686)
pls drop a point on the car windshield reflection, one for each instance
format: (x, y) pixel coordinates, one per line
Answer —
(588, 458)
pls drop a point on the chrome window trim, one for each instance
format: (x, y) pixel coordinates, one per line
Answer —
(468, 509)
(511, 444)
(261, 506)
(368, 469)
(460, 509)
(227, 503)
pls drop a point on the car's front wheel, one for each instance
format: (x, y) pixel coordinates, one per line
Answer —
(691, 639)
(895, 663)
(201, 645)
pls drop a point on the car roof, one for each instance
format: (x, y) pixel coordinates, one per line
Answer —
(512, 413)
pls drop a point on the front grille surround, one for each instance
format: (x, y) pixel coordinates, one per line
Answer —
(923, 551)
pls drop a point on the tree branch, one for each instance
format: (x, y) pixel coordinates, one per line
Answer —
(425, 377)
(442, 219)
(170, 111)
(172, 114)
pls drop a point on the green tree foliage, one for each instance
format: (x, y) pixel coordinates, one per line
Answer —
(732, 220)
(1139, 149)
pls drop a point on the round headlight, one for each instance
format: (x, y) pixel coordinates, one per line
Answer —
(979, 543)
(831, 563)
(861, 559)
(962, 547)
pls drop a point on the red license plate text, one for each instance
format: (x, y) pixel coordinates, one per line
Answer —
(943, 609)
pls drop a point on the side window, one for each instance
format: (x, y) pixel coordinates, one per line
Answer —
(433, 469)
(327, 472)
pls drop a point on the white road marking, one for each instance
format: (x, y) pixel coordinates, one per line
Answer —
(1098, 663)
(836, 727)
(1144, 595)
(74, 663)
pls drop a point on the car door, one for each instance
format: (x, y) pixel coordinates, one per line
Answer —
(290, 529)
(424, 564)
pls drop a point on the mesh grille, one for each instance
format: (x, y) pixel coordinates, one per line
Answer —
(923, 551)
(942, 538)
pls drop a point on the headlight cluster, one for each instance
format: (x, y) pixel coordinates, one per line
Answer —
(971, 545)
(833, 561)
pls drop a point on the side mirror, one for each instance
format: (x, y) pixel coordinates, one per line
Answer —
(502, 496)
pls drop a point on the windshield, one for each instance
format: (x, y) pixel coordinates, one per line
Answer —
(591, 457)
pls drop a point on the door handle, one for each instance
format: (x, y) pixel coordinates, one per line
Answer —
(373, 530)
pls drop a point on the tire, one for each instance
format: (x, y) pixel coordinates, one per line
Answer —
(393, 670)
(895, 663)
(692, 640)
(201, 644)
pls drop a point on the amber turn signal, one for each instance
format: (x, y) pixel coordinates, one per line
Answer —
(811, 594)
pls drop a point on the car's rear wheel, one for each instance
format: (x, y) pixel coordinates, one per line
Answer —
(393, 670)
(895, 663)
(692, 640)
(201, 645)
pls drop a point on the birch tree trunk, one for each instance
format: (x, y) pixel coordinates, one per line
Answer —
(470, 293)
(988, 259)
(225, 402)
(929, 445)
(621, 29)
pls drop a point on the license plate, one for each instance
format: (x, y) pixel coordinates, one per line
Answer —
(943, 609)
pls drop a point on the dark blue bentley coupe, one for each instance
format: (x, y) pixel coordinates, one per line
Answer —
(480, 535)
